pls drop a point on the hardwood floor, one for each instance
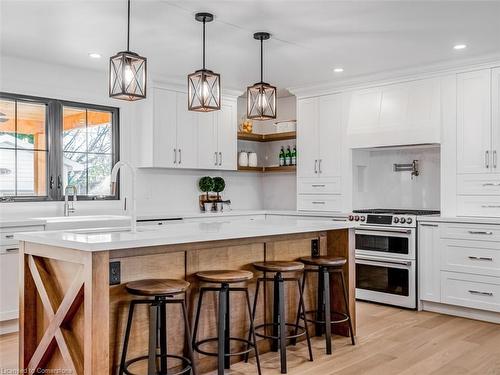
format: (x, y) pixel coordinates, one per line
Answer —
(390, 341)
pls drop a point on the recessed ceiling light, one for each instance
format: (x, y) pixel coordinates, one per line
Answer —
(94, 55)
(338, 70)
(460, 46)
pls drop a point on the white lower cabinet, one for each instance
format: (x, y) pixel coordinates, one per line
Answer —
(473, 291)
(428, 262)
(459, 264)
(331, 203)
(318, 186)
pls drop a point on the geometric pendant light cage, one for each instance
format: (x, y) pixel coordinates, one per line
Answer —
(261, 97)
(127, 72)
(204, 93)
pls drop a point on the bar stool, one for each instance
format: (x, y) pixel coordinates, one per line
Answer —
(224, 339)
(161, 293)
(279, 335)
(324, 266)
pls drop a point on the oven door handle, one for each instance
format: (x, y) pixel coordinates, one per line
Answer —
(403, 231)
(385, 261)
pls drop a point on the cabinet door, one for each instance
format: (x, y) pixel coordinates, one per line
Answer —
(307, 137)
(330, 135)
(429, 262)
(227, 136)
(474, 122)
(187, 134)
(9, 295)
(164, 128)
(495, 121)
(207, 140)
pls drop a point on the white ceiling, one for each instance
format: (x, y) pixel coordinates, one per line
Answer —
(310, 38)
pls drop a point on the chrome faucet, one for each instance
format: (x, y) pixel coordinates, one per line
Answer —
(69, 208)
(114, 173)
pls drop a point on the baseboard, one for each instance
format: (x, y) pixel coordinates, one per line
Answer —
(9, 326)
(464, 312)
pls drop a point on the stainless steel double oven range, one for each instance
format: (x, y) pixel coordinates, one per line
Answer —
(386, 253)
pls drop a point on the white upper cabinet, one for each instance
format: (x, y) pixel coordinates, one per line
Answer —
(217, 138)
(495, 118)
(330, 135)
(474, 154)
(164, 141)
(174, 137)
(307, 137)
(319, 136)
(397, 114)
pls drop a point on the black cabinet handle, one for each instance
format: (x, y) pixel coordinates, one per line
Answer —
(59, 182)
(51, 184)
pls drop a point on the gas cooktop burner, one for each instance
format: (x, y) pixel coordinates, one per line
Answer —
(397, 212)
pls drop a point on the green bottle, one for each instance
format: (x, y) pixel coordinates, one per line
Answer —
(288, 156)
(282, 157)
(294, 155)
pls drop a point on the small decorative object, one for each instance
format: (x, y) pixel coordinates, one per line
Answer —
(243, 159)
(127, 72)
(261, 97)
(252, 159)
(219, 186)
(206, 185)
(204, 84)
(247, 126)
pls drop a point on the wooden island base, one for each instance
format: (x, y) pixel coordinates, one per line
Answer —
(71, 318)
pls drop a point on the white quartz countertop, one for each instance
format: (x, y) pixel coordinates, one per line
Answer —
(177, 233)
(463, 219)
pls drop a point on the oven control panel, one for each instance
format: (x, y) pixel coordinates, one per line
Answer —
(383, 219)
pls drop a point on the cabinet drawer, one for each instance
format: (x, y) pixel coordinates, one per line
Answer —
(488, 205)
(9, 278)
(7, 234)
(479, 184)
(318, 185)
(477, 292)
(475, 232)
(481, 258)
(319, 202)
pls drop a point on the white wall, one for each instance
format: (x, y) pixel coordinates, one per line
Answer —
(376, 185)
(159, 190)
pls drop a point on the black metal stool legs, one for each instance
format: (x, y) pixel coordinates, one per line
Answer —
(157, 338)
(346, 301)
(224, 338)
(324, 275)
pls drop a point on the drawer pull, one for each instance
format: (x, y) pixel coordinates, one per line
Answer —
(471, 257)
(476, 292)
(480, 232)
(429, 225)
(490, 206)
(12, 249)
(9, 236)
(318, 185)
(318, 202)
(491, 184)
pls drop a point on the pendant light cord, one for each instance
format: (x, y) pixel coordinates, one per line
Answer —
(261, 60)
(204, 22)
(128, 27)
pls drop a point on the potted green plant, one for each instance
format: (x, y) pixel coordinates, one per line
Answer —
(219, 186)
(206, 185)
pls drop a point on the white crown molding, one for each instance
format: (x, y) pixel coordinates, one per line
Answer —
(395, 76)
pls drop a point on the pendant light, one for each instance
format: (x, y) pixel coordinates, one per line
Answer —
(261, 97)
(127, 72)
(204, 85)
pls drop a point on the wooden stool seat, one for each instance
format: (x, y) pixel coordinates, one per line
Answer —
(225, 276)
(157, 287)
(278, 266)
(324, 261)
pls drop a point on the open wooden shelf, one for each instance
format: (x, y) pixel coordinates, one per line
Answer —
(286, 169)
(266, 137)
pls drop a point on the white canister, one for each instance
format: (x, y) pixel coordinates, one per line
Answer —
(252, 159)
(243, 159)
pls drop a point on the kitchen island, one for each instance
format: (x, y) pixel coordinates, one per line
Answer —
(72, 318)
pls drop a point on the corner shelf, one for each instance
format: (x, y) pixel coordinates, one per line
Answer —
(286, 169)
(266, 137)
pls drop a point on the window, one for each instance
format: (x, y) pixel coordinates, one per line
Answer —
(47, 144)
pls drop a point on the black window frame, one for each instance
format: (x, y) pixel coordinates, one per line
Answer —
(54, 141)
